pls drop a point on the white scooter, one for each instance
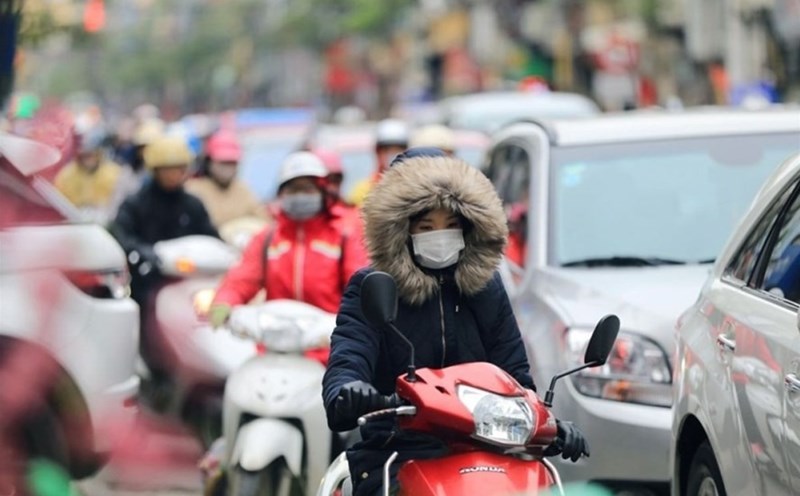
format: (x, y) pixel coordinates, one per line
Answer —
(188, 360)
(275, 433)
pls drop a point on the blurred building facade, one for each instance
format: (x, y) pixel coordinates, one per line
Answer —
(623, 53)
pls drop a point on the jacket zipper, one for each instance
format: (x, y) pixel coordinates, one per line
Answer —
(441, 319)
(299, 262)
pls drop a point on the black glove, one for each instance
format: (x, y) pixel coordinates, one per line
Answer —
(354, 400)
(570, 442)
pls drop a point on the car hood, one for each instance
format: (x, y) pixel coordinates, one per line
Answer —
(647, 300)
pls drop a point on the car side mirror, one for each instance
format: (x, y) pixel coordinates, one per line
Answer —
(379, 299)
(602, 341)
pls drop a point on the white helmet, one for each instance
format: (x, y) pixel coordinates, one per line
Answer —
(391, 132)
(434, 135)
(301, 164)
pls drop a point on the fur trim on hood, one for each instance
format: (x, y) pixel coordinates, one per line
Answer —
(425, 183)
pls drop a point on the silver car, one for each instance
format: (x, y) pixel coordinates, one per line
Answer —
(736, 423)
(624, 214)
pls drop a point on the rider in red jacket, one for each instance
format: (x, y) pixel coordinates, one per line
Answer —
(308, 255)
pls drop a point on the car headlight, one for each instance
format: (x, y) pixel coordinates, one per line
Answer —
(637, 370)
(503, 420)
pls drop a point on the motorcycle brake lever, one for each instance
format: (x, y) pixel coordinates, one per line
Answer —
(387, 412)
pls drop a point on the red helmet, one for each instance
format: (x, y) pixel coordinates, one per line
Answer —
(223, 146)
(331, 159)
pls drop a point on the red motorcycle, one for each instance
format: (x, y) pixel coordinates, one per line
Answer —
(496, 430)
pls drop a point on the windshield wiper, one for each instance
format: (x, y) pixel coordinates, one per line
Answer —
(626, 261)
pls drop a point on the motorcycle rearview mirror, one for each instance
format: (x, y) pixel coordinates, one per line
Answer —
(597, 351)
(379, 306)
(602, 341)
(379, 299)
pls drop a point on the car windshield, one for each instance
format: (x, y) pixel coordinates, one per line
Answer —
(655, 203)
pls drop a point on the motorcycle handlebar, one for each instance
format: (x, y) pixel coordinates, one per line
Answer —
(399, 411)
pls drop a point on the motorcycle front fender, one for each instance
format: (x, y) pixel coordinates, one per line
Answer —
(476, 472)
(338, 471)
(264, 440)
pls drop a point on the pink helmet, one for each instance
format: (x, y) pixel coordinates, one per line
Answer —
(331, 159)
(223, 146)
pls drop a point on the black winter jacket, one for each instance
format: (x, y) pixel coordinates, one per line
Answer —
(477, 328)
(152, 214)
(455, 315)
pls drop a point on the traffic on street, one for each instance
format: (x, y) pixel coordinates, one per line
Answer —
(273, 248)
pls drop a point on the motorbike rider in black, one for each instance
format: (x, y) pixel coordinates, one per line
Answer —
(159, 211)
(438, 227)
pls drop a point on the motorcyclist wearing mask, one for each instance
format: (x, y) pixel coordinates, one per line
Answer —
(391, 139)
(438, 227)
(226, 197)
(308, 255)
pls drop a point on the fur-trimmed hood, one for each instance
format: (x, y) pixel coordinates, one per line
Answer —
(424, 183)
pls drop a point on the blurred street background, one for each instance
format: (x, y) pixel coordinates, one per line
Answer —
(189, 56)
(102, 80)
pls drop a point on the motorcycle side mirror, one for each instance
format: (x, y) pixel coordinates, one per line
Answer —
(379, 306)
(379, 299)
(602, 341)
(597, 351)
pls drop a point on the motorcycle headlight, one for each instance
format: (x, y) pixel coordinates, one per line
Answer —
(637, 370)
(502, 420)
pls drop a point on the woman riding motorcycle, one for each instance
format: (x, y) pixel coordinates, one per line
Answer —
(308, 255)
(438, 227)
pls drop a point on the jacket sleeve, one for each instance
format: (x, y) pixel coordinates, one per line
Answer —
(355, 347)
(506, 349)
(202, 220)
(125, 229)
(246, 278)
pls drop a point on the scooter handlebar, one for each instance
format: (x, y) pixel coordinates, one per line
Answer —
(399, 411)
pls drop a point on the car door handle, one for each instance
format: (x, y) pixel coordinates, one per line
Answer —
(726, 343)
(792, 383)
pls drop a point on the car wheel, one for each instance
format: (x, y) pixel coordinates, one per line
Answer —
(704, 475)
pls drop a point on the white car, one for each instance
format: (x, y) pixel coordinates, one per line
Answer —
(68, 329)
(624, 214)
(736, 422)
(487, 112)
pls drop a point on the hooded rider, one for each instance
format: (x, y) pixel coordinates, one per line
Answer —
(438, 227)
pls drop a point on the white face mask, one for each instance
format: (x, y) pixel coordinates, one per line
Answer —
(438, 249)
(301, 206)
